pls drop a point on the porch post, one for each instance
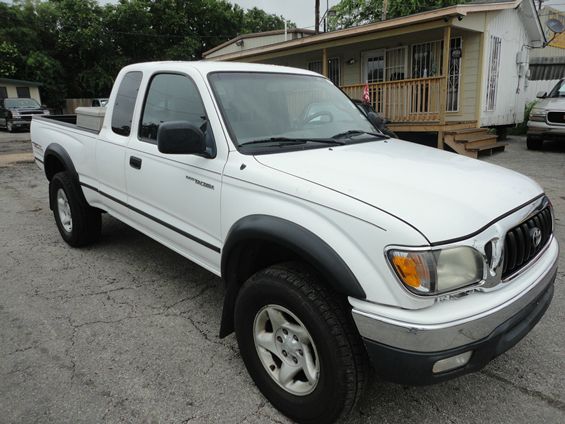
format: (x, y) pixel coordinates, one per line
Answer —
(325, 62)
(443, 84)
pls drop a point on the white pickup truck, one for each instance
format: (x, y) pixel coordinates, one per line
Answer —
(338, 245)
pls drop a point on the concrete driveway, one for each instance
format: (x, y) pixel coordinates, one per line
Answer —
(126, 331)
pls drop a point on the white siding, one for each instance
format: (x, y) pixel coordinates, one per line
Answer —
(254, 42)
(12, 92)
(511, 96)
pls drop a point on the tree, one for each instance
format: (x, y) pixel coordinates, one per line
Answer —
(75, 48)
(359, 12)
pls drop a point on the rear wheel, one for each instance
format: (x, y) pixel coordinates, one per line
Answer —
(78, 222)
(299, 344)
(534, 143)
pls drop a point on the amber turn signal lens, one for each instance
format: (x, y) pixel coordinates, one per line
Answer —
(408, 270)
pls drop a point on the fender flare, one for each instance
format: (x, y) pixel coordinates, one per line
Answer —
(61, 154)
(315, 251)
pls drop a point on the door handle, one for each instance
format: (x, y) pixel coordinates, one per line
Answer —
(135, 162)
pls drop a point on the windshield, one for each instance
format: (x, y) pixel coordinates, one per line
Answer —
(20, 103)
(558, 90)
(286, 107)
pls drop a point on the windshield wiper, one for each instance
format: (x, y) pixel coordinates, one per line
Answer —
(358, 132)
(291, 141)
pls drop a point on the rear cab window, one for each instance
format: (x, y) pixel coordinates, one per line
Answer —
(126, 98)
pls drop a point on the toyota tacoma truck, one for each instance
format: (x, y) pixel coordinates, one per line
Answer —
(339, 247)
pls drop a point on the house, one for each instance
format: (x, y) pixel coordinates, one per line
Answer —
(19, 88)
(447, 71)
(547, 65)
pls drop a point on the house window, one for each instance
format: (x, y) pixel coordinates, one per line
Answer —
(3, 92)
(334, 70)
(23, 92)
(374, 66)
(454, 77)
(395, 64)
(493, 70)
(426, 59)
(315, 66)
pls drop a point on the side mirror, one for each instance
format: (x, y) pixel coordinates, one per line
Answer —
(541, 95)
(376, 120)
(180, 138)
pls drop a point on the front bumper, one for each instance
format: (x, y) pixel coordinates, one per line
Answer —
(21, 123)
(541, 129)
(405, 353)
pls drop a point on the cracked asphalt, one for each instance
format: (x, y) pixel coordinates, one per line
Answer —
(127, 330)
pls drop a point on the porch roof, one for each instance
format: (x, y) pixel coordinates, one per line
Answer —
(461, 10)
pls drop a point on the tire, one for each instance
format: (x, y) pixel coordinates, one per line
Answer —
(290, 297)
(9, 126)
(78, 223)
(534, 143)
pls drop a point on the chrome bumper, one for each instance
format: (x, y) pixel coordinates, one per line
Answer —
(450, 335)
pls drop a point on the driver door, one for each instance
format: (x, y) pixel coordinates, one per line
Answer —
(177, 196)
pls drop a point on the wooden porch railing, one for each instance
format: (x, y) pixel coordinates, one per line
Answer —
(409, 100)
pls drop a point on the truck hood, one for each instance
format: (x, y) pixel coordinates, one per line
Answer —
(443, 195)
(551, 103)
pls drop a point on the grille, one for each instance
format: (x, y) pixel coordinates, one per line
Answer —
(557, 117)
(519, 245)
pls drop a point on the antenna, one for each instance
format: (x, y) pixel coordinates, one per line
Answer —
(555, 26)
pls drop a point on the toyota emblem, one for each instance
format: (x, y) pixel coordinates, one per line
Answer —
(535, 234)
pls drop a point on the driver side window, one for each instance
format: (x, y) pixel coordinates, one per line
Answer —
(172, 97)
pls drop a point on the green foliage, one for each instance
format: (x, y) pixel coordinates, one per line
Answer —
(10, 59)
(75, 48)
(358, 12)
(522, 128)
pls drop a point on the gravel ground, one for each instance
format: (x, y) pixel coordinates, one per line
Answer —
(126, 330)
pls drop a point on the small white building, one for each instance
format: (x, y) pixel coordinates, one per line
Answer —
(19, 88)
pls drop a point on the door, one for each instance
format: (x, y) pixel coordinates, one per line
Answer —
(111, 148)
(373, 70)
(176, 197)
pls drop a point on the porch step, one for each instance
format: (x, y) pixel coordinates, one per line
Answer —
(466, 131)
(474, 137)
(472, 141)
(488, 147)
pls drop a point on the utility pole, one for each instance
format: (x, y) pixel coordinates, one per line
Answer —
(385, 7)
(317, 16)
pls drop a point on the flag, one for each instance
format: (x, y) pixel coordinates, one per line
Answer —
(366, 96)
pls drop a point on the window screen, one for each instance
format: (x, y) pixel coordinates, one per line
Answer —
(3, 92)
(315, 66)
(334, 70)
(125, 103)
(23, 92)
(493, 70)
(171, 97)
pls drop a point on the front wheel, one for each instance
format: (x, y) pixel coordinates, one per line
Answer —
(78, 222)
(9, 126)
(534, 143)
(299, 344)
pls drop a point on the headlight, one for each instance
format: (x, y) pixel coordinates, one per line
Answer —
(46, 112)
(437, 271)
(537, 115)
(16, 115)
